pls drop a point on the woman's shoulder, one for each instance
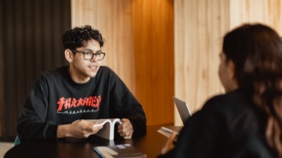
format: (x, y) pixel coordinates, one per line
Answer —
(234, 99)
(236, 104)
(227, 109)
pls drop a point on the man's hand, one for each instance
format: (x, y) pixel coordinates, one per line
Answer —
(125, 129)
(78, 129)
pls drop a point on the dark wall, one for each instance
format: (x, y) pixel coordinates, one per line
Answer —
(30, 33)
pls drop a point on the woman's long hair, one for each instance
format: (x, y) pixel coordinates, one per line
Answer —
(256, 51)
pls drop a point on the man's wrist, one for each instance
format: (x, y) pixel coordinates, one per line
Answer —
(62, 131)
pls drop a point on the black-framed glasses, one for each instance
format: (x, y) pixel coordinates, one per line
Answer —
(88, 55)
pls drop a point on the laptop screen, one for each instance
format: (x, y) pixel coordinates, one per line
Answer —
(182, 108)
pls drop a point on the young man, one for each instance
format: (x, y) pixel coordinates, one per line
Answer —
(61, 100)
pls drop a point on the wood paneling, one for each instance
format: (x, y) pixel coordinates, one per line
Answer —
(153, 49)
(30, 43)
(139, 47)
(199, 25)
(264, 11)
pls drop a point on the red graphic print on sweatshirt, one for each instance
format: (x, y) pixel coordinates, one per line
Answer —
(81, 105)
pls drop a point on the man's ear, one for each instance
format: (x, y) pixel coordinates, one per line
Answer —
(69, 55)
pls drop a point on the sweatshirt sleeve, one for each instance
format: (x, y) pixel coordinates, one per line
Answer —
(125, 105)
(32, 122)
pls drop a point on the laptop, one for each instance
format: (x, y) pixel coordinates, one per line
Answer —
(182, 109)
(184, 113)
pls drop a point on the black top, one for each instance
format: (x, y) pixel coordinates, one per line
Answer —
(228, 125)
(56, 99)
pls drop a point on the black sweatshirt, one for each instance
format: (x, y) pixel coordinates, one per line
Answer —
(56, 99)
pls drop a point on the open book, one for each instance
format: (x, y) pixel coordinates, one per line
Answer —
(108, 130)
(120, 151)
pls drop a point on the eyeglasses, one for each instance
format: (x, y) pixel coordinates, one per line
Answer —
(88, 55)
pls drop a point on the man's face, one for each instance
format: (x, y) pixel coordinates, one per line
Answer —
(82, 70)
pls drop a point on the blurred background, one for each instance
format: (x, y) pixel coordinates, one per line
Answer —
(159, 48)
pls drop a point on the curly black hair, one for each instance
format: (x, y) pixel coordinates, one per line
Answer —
(76, 37)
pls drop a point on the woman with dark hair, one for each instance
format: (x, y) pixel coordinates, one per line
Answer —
(247, 120)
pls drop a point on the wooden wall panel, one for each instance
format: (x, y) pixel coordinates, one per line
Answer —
(153, 48)
(199, 26)
(139, 47)
(264, 11)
